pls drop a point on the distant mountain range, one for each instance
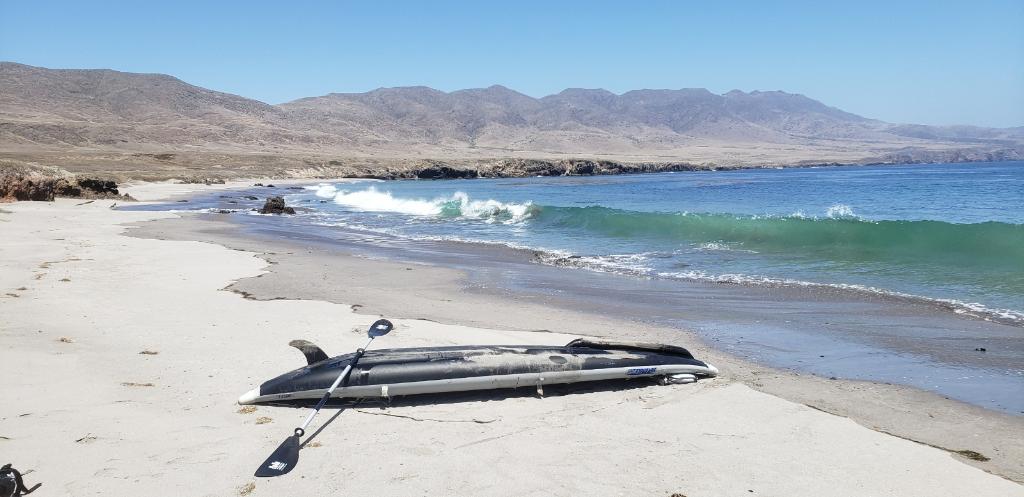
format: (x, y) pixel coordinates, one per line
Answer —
(104, 112)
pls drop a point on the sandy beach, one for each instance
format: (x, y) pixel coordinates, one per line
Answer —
(123, 357)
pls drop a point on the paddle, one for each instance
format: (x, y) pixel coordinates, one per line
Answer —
(284, 459)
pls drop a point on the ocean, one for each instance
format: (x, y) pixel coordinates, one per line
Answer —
(950, 232)
(884, 273)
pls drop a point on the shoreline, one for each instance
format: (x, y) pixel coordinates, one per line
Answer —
(835, 332)
(305, 270)
(139, 422)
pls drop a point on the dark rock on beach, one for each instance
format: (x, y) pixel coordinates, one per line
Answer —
(98, 187)
(14, 187)
(275, 205)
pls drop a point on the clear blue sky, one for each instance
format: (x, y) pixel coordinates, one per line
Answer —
(930, 62)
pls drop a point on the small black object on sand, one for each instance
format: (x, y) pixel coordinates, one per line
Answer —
(11, 484)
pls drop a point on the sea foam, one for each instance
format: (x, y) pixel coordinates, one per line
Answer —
(456, 205)
(840, 211)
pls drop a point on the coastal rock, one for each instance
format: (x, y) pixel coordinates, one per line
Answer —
(511, 168)
(520, 168)
(15, 187)
(275, 205)
(196, 180)
(98, 187)
(445, 172)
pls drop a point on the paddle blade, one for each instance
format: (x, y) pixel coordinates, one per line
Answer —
(282, 460)
(380, 328)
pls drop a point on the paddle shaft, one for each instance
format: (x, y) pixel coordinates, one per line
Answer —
(327, 396)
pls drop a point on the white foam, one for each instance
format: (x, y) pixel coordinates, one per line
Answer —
(840, 211)
(372, 200)
(722, 247)
(324, 190)
(973, 309)
(205, 210)
(457, 205)
(631, 264)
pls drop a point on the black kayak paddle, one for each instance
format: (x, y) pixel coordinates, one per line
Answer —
(286, 457)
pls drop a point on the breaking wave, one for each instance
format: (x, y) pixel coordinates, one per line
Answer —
(989, 247)
(454, 206)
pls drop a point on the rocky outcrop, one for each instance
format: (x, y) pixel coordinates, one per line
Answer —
(917, 156)
(93, 188)
(14, 187)
(445, 172)
(275, 205)
(197, 180)
(521, 168)
(583, 167)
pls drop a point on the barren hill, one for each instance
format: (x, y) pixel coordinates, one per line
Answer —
(111, 120)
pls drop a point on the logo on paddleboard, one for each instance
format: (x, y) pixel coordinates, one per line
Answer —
(640, 371)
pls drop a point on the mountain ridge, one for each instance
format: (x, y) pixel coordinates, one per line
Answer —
(102, 111)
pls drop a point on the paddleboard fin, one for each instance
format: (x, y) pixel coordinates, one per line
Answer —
(313, 353)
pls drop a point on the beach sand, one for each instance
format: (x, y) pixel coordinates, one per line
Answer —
(123, 357)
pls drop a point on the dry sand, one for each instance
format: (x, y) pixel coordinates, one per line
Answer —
(93, 415)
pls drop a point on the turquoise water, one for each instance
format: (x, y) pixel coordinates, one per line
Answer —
(950, 232)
